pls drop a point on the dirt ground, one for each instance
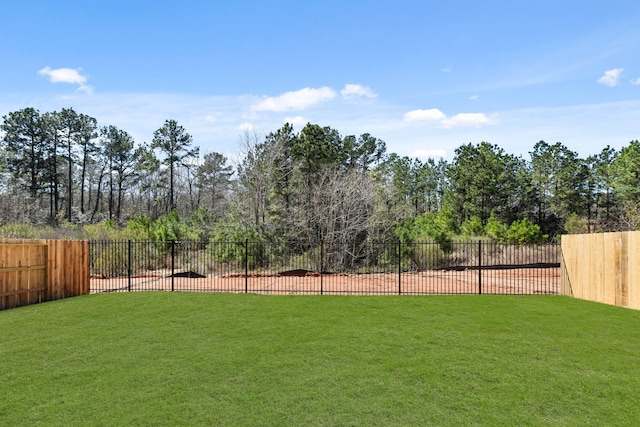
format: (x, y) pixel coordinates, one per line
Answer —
(528, 281)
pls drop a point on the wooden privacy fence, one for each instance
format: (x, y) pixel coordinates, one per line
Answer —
(603, 267)
(33, 271)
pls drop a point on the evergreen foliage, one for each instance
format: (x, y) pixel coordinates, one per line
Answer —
(343, 191)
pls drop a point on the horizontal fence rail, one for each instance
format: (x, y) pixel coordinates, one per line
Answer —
(391, 268)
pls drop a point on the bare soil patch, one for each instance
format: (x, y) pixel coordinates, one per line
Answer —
(512, 281)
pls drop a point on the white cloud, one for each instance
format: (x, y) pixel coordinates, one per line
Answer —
(430, 115)
(580, 127)
(425, 154)
(67, 75)
(295, 100)
(296, 121)
(459, 120)
(469, 120)
(636, 81)
(352, 91)
(473, 97)
(246, 127)
(611, 77)
(64, 75)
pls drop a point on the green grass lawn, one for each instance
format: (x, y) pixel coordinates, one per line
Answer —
(216, 359)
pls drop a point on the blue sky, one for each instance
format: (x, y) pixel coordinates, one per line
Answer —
(424, 76)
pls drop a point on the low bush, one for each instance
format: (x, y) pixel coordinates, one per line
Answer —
(222, 248)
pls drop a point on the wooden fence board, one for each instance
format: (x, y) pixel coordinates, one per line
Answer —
(566, 256)
(53, 282)
(4, 278)
(609, 268)
(23, 276)
(571, 256)
(32, 271)
(582, 259)
(633, 272)
(623, 270)
(602, 267)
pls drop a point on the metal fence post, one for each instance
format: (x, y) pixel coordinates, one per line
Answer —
(399, 267)
(321, 264)
(246, 266)
(129, 267)
(479, 267)
(173, 256)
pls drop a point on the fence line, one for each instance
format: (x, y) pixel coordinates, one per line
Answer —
(33, 271)
(603, 267)
(300, 268)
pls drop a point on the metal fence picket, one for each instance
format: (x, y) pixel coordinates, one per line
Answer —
(420, 268)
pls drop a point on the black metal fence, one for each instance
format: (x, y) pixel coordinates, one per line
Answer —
(395, 268)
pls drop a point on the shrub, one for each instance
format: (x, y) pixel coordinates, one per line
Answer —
(107, 230)
(201, 222)
(576, 225)
(169, 227)
(523, 231)
(439, 227)
(228, 245)
(24, 231)
(519, 232)
(496, 229)
(140, 227)
(472, 227)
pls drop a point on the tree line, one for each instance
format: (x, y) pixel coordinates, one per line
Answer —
(61, 167)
